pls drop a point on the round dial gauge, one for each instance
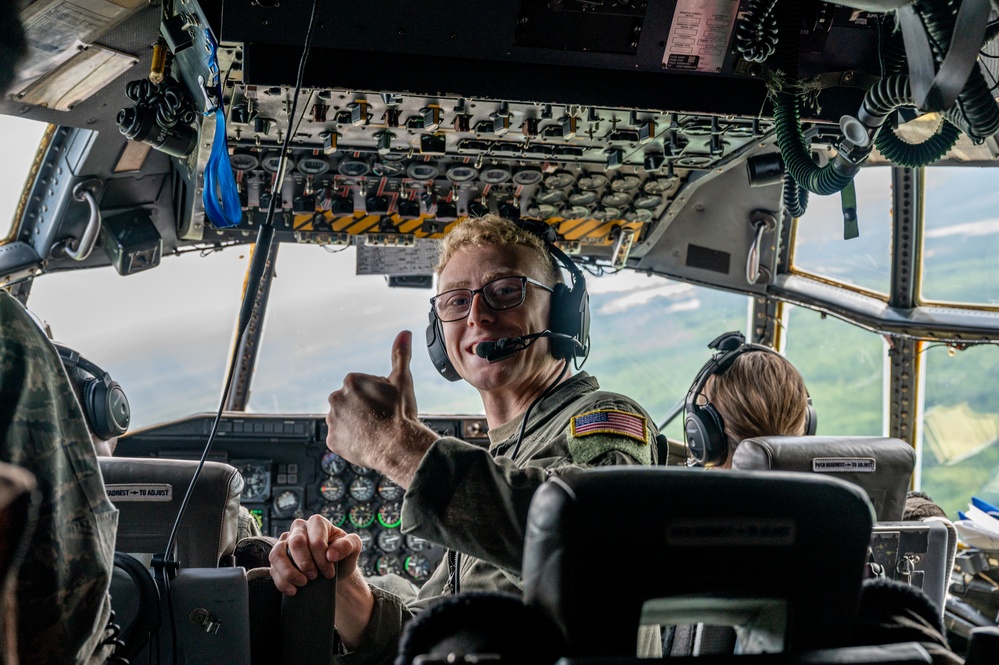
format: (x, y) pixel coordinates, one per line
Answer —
(527, 176)
(366, 539)
(386, 169)
(241, 161)
(390, 491)
(582, 198)
(648, 202)
(390, 515)
(607, 214)
(255, 480)
(416, 544)
(422, 171)
(390, 540)
(333, 464)
(271, 160)
(286, 502)
(388, 564)
(360, 470)
(558, 179)
(640, 215)
(333, 489)
(362, 515)
(616, 200)
(625, 183)
(592, 181)
(353, 168)
(417, 566)
(313, 165)
(362, 488)
(334, 512)
(550, 196)
(366, 563)
(542, 210)
(658, 185)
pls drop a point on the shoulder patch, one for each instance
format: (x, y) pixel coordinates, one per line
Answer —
(610, 421)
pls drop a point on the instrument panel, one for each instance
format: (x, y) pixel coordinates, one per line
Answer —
(288, 473)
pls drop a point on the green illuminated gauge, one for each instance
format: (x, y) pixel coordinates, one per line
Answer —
(390, 515)
(333, 489)
(389, 540)
(286, 502)
(362, 488)
(592, 181)
(416, 544)
(336, 513)
(362, 515)
(366, 564)
(417, 566)
(389, 491)
(366, 539)
(388, 564)
(625, 183)
(360, 470)
(256, 478)
(333, 464)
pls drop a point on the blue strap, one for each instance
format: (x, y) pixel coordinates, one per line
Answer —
(219, 196)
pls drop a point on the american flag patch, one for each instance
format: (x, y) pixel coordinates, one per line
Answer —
(623, 423)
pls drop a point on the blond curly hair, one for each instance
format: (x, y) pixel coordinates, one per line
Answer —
(490, 230)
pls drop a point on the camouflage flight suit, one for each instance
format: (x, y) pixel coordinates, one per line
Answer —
(63, 604)
(475, 501)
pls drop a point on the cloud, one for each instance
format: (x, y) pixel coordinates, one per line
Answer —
(982, 227)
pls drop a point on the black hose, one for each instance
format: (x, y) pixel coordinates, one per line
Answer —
(975, 112)
(825, 180)
(795, 196)
(756, 35)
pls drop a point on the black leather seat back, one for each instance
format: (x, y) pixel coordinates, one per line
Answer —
(610, 548)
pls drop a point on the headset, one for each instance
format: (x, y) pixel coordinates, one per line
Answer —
(569, 328)
(104, 403)
(703, 425)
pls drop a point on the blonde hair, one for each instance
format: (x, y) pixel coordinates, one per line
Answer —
(760, 394)
(493, 230)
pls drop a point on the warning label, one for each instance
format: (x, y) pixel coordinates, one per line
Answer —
(844, 464)
(144, 492)
(699, 35)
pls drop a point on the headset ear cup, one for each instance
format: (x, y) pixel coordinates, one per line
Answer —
(811, 419)
(437, 349)
(705, 435)
(95, 403)
(570, 315)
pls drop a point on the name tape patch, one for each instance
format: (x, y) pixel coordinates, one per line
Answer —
(844, 464)
(610, 421)
(140, 492)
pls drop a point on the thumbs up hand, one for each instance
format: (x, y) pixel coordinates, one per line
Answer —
(373, 420)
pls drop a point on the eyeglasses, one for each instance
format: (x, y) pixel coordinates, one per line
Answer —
(499, 294)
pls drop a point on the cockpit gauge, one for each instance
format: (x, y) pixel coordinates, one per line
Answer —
(606, 214)
(336, 513)
(461, 173)
(362, 488)
(389, 490)
(422, 171)
(658, 185)
(366, 539)
(417, 566)
(313, 165)
(550, 196)
(390, 540)
(353, 168)
(579, 212)
(390, 514)
(362, 515)
(648, 202)
(494, 175)
(366, 563)
(333, 488)
(583, 198)
(591, 181)
(625, 183)
(387, 169)
(333, 464)
(286, 502)
(271, 160)
(416, 544)
(527, 176)
(360, 470)
(639, 215)
(256, 480)
(558, 179)
(616, 200)
(242, 161)
(388, 564)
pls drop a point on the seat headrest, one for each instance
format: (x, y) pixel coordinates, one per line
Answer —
(148, 493)
(881, 465)
(695, 545)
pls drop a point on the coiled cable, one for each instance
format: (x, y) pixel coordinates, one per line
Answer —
(756, 35)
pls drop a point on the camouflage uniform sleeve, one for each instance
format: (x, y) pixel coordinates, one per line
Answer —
(62, 589)
(380, 640)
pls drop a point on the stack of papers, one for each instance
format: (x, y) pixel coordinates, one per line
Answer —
(979, 525)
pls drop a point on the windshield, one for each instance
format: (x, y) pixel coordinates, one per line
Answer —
(20, 143)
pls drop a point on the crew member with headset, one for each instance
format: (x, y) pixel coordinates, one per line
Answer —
(743, 391)
(504, 321)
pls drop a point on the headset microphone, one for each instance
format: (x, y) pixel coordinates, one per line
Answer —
(507, 346)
